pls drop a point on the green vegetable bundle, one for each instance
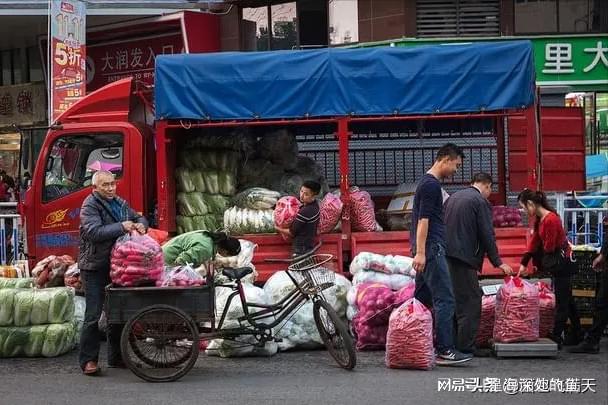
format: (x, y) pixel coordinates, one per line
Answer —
(38, 340)
(24, 307)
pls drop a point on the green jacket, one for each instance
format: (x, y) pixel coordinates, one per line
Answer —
(193, 247)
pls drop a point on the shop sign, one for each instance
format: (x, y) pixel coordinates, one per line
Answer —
(67, 54)
(111, 61)
(22, 104)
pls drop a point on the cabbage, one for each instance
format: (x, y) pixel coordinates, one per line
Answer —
(199, 181)
(24, 302)
(35, 341)
(212, 183)
(184, 180)
(40, 308)
(16, 282)
(3, 337)
(217, 203)
(15, 342)
(227, 183)
(54, 341)
(7, 299)
(61, 306)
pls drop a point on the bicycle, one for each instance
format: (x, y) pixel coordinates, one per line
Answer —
(160, 340)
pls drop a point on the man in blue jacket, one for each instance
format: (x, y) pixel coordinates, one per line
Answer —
(470, 236)
(104, 217)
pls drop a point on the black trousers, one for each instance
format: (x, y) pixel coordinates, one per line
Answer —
(94, 288)
(565, 307)
(600, 314)
(468, 295)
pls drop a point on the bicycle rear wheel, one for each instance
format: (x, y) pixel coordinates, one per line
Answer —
(160, 343)
(335, 335)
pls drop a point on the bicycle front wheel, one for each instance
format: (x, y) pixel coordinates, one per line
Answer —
(335, 335)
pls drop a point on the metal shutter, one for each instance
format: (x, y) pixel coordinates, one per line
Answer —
(457, 18)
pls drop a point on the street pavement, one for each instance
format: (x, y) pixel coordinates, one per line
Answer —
(311, 377)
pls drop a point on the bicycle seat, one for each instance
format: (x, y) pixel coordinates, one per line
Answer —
(236, 273)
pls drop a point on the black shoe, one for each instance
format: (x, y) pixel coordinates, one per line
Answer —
(117, 364)
(452, 357)
(585, 347)
(558, 340)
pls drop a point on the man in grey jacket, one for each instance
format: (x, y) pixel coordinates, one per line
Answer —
(470, 236)
(104, 217)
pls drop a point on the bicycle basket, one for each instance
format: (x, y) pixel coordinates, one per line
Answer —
(313, 273)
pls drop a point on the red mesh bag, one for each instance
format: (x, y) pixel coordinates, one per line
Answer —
(409, 341)
(330, 210)
(486, 323)
(136, 260)
(517, 311)
(547, 309)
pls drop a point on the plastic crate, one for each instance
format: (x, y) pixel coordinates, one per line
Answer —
(123, 303)
(585, 278)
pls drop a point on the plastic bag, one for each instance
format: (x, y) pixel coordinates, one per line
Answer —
(330, 210)
(486, 322)
(180, 276)
(409, 341)
(362, 214)
(389, 264)
(72, 278)
(49, 271)
(517, 311)
(506, 216)
(240, 221)
(136, 260)
(256, 198)
(243, 259)
(392, 281)
(159, 236)
(546, 309)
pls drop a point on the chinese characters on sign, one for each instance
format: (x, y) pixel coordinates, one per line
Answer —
(22, 104)
(513, 386)
(572, 60)
(108, 62)
(68, 67)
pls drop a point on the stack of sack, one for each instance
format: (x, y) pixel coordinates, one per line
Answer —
(380, 284)
(253, 212)
(37, 322)
(301, 331)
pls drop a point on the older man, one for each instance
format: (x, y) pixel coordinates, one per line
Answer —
(470, 236)
(104, 217)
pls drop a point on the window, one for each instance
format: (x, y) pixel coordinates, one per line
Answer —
(35, 65)
(457, 18)
(270, 27)
(557, 16)
(74, 159)
(343, 22)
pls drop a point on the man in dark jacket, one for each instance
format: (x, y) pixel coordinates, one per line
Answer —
(104, 217)
(470, 236)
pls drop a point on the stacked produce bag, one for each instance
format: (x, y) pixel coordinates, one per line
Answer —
(330, 211)
(380, 284)
(503, 217)
(486, 322)
(36, 322)
(206, 179)
(252, 212)
(245, 345)
(546, 309)
(301, 331)
(274, 163)
(243, 259)
(50, 271)
(285, 212)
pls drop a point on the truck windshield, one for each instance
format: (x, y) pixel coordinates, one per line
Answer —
(74, 159)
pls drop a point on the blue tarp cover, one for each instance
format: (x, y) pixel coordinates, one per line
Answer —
(337, 82)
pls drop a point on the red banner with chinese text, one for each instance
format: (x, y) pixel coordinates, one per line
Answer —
(67, 54)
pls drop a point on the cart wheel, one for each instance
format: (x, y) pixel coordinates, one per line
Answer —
(335, 335)
(160, 343)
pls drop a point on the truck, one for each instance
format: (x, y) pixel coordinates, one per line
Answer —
(371, 117)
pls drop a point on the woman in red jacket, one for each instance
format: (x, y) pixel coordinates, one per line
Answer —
(550, 251)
